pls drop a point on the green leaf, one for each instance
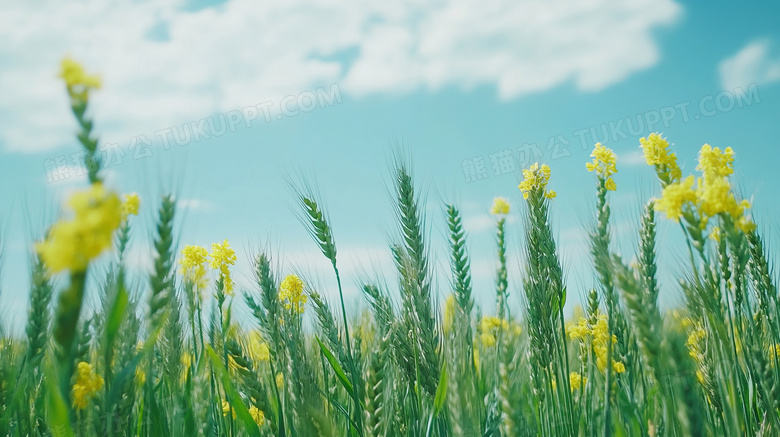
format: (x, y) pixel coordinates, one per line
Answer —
(336, 368)
(441, 391)
(58, 414)
(242, 413)
(117, 312)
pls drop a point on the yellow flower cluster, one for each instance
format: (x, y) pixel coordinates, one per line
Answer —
(713, 162)
(536, 178)
(604, 164)
(226, 408)
(88, 383)
(280, 381)
(696, 346)
(695, 342)
(130, 204)
(193, 265)
(291, 294)
(500, 206)
(488, 328)
(257, 415)
(712, 195)
(186, 364)
(74, 75)
(774, 354)
(449, 313)
(675, 196)
(258, 348)
(576, 381)
(222, 257)
(656, 151)
(72, 244)
(598, 335)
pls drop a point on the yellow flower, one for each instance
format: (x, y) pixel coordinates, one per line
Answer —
(222, 257)
(88, 383)
(714, 190)
(713, 162)
(193, 265)
(140, 376)
(715, 197)
(774, 354)
(500, 206)
(489, 327)
(74, 75)
(257, 415)
(258, 349)
(580, 330)
(449, 313)
(715, 234)
(72, 244)
(130, 204)
(656, 151)
(280, 381)
(675, 196)
(487, 339)
(226, 409)
(695, 342)
(291, 294)
(604, 164)
(576, 381)
(536, 179)
(598, 336)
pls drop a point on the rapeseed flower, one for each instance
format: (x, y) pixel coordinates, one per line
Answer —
(536, 179)
(598, 336)
(72, 244)
(74, 75)
(576, 381)
(280, 381)
(500, 206)
(193, 265)
(489, 327)
(604, 164)
(695, 342)
(88, 383)
(257, 415)
(713, 162)
(714, 190)
(675, 196)
(774, 354)
(292, 295)
(449, 313)
(257, 348)
(656, 152)
(226, 408)
(222, 257)
(130, 204)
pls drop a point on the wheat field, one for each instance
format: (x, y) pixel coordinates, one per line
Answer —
(174, 361)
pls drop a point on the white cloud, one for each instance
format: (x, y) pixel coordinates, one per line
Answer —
(195, 204)
(632, 159)
(753, 64)
(163, 65)
(484, 222)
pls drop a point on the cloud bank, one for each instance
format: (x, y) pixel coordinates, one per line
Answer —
(163, 63)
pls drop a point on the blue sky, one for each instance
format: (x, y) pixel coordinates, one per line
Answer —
(448, 83)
